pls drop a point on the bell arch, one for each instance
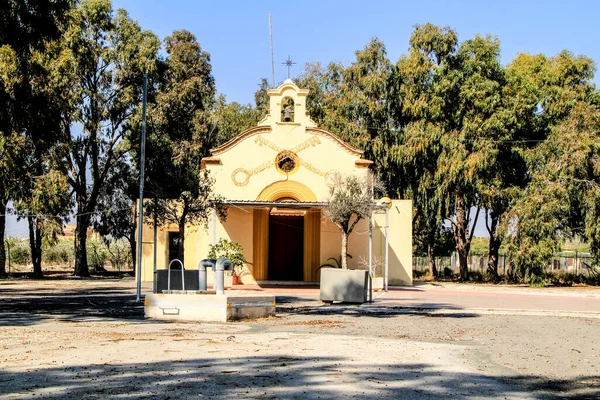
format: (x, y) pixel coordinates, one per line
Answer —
(287, 189)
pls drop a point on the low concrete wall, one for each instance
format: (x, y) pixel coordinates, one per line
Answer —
(208, 307)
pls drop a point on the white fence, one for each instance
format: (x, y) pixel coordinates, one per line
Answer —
(577, 263)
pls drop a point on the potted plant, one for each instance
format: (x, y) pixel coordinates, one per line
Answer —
(350, 201)
(232, 250)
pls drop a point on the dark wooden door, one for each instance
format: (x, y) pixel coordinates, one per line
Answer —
(286, 248)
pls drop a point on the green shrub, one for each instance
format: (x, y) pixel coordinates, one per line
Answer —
(420, 274)
(447, 273)
(20, 253)
(96, 254)
(59, 254)
(232, 250)
(475, 276)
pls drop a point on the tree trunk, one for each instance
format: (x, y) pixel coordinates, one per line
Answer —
(81, 263)
(344, 253)
(430, 253)
(494, 246)
(461, 237)
(431, 261)
(133, 239)
(2, 233)
(35, 244)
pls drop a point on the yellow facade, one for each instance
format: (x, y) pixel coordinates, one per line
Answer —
(287, 159)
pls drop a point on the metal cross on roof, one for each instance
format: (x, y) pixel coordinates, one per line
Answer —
(289, 64)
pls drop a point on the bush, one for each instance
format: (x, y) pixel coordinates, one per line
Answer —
(420, 274)
(475, 276)
(20, 253)
(447, 273)
(96, 255)
(59, 254)
(232, 250)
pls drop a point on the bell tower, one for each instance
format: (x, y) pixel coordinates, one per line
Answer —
(287, 106)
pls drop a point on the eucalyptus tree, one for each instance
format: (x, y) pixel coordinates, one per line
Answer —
(416, 104)
(357, 110)
(561, 197)
(30, 115)
(231, 119)
(117, 200)
(110, 53)
(181, 132)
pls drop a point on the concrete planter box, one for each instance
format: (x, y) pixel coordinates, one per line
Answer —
(200, 306)
(346, 285)
(378, 283)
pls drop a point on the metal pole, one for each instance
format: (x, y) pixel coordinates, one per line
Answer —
(141, 198)
(371, 257)
(272, 59)
(154, 283)
(385, 273)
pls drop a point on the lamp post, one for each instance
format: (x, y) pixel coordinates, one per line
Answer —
(141, 198)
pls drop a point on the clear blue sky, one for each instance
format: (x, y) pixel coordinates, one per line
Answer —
(236, 33)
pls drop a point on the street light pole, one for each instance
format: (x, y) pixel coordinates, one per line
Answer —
(141, 198)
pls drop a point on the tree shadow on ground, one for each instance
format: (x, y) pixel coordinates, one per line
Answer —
(113, 302)
(282, 377)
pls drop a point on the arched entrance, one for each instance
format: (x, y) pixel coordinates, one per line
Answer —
(286, 238)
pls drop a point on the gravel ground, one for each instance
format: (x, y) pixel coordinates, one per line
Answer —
(87, 339)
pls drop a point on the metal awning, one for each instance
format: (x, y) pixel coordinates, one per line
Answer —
(289, 204)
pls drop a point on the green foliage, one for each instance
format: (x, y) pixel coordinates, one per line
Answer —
(60, 253)
(335, 262)
(20, 253)
(232, 250)
(109, 54)
(231, 119)
(479, 246)
(350, 200)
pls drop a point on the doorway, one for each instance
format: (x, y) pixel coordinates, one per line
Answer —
(286, 247)
(173, 238)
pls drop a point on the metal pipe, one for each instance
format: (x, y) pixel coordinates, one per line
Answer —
(371, 257)
(154, 283)
(182, 275)
(207, 262)
(272, 59)
(222, 265)
(385, 272)
(141, 197)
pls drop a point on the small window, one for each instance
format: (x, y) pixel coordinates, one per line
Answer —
(173, 246)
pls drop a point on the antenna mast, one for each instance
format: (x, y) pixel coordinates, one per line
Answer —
(272, 59)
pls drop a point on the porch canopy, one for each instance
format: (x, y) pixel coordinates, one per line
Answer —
(382, 205)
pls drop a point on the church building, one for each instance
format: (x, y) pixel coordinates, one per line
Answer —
(274, 178)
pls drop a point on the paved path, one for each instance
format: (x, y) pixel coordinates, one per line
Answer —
(457, 297)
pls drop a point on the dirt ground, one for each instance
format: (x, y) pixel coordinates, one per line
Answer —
(72, 338)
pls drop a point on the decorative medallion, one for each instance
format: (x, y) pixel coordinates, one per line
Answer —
(287, 162)
(240, 177)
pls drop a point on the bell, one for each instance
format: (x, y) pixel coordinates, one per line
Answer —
(287, 114)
